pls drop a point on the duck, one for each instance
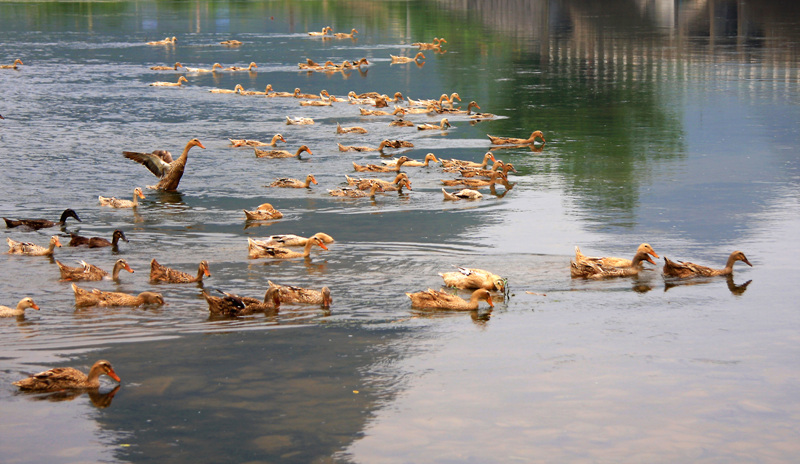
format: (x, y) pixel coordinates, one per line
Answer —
(167, 68)
(117, 203)
(325, 31)
(12, 66)
(467, 278)
(236, 89)
(161, 273)
(180, 82)
(299, 121)
(499, 166)
(231, 43)
(166, 41)
(256, 143)
(464, 194)
(342, 35)
(37, 224)
(400, 122)
(30, 249)
(489, 156)
(241, 68)
(441, 109)
(292, 294)
(366, 183)
(430, 157)
(683, 269)
(263, 212)
(471, 182)
(437, 299)
(111, 299)
(394, 143)
(325, 102)
(381, 168)
(203, 70)
(281, 153)
(294, 183)
(274, 93)
(429, 102)
(516, 141)
(349, 130)
(398, 187)
(257, 251)
(289, 240)
(67, 378)
(354, 192)
(405, 59)
(611, 261)
(170, 172)
(591, 270)
(444, 124)
(232, 305)
(19, 310)
(395, 112)
(383, 144)
(436, 43)
(97, 242)
(91, 272)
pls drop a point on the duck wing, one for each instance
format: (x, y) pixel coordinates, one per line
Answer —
(152, 161)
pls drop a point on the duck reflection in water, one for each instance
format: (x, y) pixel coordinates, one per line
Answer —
(736, 290)
(99, 399)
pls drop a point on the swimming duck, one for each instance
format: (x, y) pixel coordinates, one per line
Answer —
(436, 299)
(325, 31)
(180, 82)
(91, 272)
(97, 242)
(37, 224)
(350, 130)
(464, 194)
(237, 89)
(444, 124)
(257, 251)
(241, 68)
(400, 122)
(499, 166)
(160, 273)
(612, 261)
(166, 41)
(203, 70)
(117, 203)
(256, 143)
(263, 212)
(232, 305)
(413, 163)
(366, 183)
(467, 278)
(23, 304)
(397, 187)
(380, 168)
(342, 35)
(292, 240)
(436, 43)
(84, 298)
(471, 182)
(294, 183)
(405, 59)
(292, 294)
(170, 172)
(166, 68)
(68, 378)
(109, 299)
(231, 43)
(684, 269)
(590, 270)
(383, 144)
(325, 102)
(281, 153)
(395, 112)
(354, 192)
(489, 156)
(298, 121)
(512, 141)
(30, 249)
(429, 102)
(468, 111)
(11, 66)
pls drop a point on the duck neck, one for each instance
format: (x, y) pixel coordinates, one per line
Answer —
(729, 265)
(115, 272)
(200, 272)
(93, 379)
(173, 177)
(307, 248)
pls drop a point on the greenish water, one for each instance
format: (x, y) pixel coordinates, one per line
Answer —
(665, 124)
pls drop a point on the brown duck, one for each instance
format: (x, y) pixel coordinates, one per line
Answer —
(67, 378)
(160, 273)
(686, 269)
(435, 299)
(97, 242)
(234, 305)
(91, 272)
(170, 171)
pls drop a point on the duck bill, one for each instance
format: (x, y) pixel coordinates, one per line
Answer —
(201, 145)
(655, 255)
(649, 260)
(489, 300)
(744, 260)
(207, 272)
(322, 245)
(35, 306)
(128, 268)
(114, 375)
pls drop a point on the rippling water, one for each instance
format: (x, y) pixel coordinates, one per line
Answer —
(656, 132)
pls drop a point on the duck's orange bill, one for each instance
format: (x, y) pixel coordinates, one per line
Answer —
(128, 268)
(200, 145)
(34, 306)
(114, 375)
(489, 300)
(322, 245)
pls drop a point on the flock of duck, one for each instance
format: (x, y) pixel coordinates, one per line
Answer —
(473, 177)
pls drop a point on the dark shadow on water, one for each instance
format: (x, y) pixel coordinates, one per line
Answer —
(100, 399)
(735, 289)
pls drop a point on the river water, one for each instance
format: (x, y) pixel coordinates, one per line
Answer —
(669, 123)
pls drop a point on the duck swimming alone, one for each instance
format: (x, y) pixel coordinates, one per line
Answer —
(405, 59)
(19, 310)
(263, 212)
(684, 269)
(516, 141)
(166, 41)
(435, 299)
(67, 378)
(180, 82)
(117, 203)
(11, 66)
(160, 273)
(30, 249)
(170, 171)
(91, 272)
(97, 242)
(37, 224)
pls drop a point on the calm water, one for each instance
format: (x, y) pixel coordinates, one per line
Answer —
(666, 124)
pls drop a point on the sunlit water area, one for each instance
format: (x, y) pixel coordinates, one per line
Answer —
(670, 123)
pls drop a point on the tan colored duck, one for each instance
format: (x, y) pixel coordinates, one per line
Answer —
(430, 157)
(366, 183)
(160, 273)
(263, 212)
(684, 269)
(31, 249)
(231, 43)
(395, 112)
(405, 59)
(472, 182)
(590, 270)
(441, 109)
(19, 310)
(257, 251)
(489, 156)
(256, 143)
(342, 35)
(166, 41)
(401, 123)
(299, 121)
(325, 102)
(13, 65)
(68, 378)
(429, 102)
(383, 144)
(516, 141)
(170, 172)
(291, 240)
(350, 130)
(203, 70)
(167, 68)
(292, 294)
(97, 242)
(611, 261)
(180, 82)
(241, 68)
(84, 298)
(37, 224)
(325, 31)
(91, 272)
(435, 44)
(232, 305)
(398, 187)
(464, 194)
(236, 89)
(499, 166)
(117, 203)
(282, 153)
(354, 192)
(435, 299)
(467, 278)
(294, 183)
(124, 299)
(381, 168)
(444, 124)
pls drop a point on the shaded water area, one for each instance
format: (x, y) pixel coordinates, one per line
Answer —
(672, 123)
